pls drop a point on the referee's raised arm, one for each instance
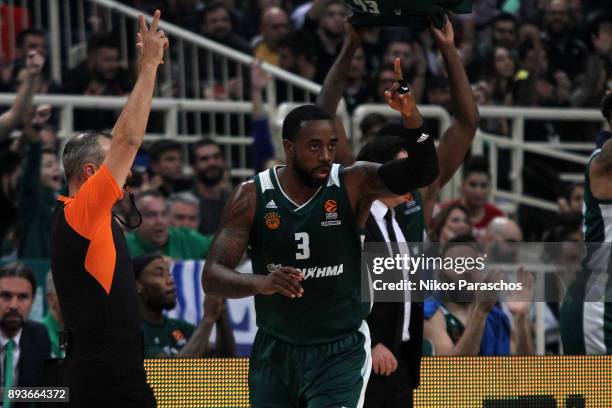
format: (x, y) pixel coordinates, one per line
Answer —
(130, 128)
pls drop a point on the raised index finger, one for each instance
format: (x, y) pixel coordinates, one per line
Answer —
(397, 67)
(155, 21)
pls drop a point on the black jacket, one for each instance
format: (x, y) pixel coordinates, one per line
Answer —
(386, 320)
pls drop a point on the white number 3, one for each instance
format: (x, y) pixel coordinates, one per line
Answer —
(303, 245)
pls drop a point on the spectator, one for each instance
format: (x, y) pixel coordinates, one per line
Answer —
(166, 163)
(457, 327)
(274, 26)
(184, 210)
(414, 63)
(31, 39)
(501, 239)
(504, 33)
(356, 91)
(325, 24)
(165, 337)
(208, 166)
(370, 126)
(100, 74)
(25, 344)
(451, 222)
(40, 185)
(475, 189)
(53, 320)
(296, 55)
(565, 51)
(263, 149)
(572, 199)
(156, 235)
(217, 25)
(383, 80)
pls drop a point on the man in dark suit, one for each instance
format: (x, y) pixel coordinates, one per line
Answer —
(24, 345)
(396, 328)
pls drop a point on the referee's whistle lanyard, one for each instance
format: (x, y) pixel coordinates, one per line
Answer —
(134, 208)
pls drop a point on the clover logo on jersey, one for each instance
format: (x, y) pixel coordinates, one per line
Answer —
(272, 220)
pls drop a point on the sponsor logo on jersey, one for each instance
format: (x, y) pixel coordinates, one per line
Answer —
(271, 204)
(272, 221)
(179, 337)
(331, 213)
(321, 271)
(271, 267)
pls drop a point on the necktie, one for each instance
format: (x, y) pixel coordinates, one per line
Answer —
(8, 370)
(391, 231)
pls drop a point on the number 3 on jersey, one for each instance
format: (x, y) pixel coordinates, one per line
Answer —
(303, 245)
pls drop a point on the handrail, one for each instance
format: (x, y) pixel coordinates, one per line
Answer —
(529, 147)
(204, 42)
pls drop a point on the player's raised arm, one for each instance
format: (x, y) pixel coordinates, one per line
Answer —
(130, 128)
(456, 140)
(230, 243)
(419, 169)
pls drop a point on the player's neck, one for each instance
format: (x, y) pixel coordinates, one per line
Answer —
(150, 315)
(293, 186)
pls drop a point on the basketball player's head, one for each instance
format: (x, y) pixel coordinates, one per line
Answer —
(309, 140)
(154, 282)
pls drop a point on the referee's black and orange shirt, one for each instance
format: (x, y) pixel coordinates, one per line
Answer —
(91, 263)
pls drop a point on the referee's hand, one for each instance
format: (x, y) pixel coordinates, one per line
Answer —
(383, 360)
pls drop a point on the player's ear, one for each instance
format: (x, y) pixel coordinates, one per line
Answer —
(288, 146)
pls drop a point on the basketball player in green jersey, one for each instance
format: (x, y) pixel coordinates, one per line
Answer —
(302, 224)
(586, 318)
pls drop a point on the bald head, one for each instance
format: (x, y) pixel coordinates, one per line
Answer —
(504, 229)
(274, 26)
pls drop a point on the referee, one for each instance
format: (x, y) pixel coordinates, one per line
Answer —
(91, 264)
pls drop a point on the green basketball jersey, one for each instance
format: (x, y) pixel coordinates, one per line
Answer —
(410, 215)
(322, 240)
(586, 326)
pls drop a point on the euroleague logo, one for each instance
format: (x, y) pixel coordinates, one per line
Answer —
(330, 206)
(331, 213)
(272, 220)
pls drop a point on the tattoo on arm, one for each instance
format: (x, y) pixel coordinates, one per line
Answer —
(229, 245)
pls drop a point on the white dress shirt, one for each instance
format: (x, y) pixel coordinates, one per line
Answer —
(16, 352)
(379, 210)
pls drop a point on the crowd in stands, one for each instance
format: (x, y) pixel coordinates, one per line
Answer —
(551, 53)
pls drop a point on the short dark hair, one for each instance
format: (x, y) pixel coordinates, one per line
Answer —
(159, 147)
(300, 44)
(141, 262)
(372, 119)
(28, 31)
(381, 149)
(606, 106)
(19, 270)
(103, 40)
(476, 164)
(212, 7)
(504, 16)
(205, 141)
(82, 148)
(293, 121)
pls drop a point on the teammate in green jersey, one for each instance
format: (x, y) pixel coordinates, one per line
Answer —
(586, 318)
(302, 223)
